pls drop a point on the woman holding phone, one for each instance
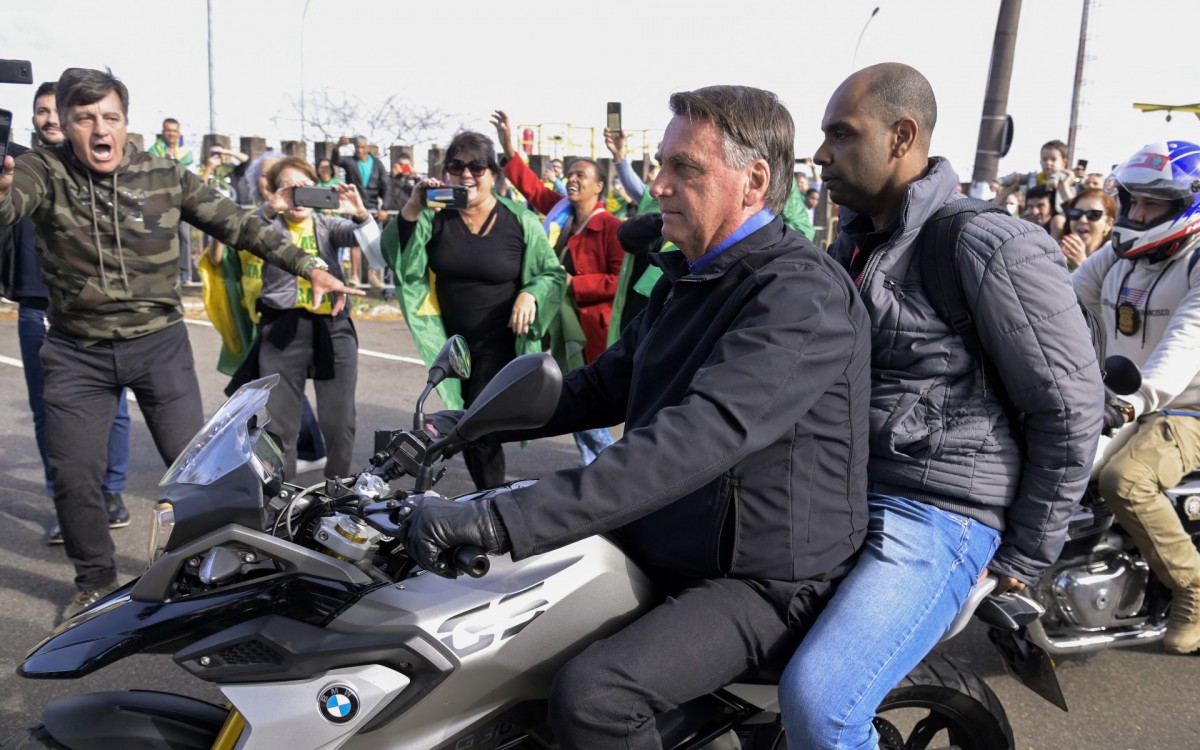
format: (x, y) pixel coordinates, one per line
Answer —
(300, 336)
(485, 272)
(1090, 218)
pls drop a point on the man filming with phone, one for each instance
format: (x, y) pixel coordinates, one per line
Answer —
(108, 215)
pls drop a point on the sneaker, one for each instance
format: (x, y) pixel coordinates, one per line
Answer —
(84, 599)
(118, 516)
(1183, 625)
(55, 535)
(303, 466)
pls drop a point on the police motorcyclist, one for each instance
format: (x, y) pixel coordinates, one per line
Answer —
(1145, 286)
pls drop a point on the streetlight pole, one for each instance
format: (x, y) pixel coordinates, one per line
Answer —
(861, 34)
(212, 107)
(303, 119)
(990, 145)
(1073, 130)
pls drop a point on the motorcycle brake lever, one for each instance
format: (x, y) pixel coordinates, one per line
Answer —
(389, 516)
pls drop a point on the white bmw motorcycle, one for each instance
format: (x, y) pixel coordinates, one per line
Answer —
(302, 607)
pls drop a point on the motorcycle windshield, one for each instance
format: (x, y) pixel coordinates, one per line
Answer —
(235, 435)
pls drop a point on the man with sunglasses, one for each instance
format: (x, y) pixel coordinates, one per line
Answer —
(1145, 286)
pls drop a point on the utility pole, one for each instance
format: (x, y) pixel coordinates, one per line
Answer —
(1073, 130)
(989, 148)
(303, 118)
(212, 98)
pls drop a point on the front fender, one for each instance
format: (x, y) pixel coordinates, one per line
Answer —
(133, 719)
(120, 626)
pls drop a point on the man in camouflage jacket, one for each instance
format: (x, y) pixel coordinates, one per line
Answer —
(107, 216)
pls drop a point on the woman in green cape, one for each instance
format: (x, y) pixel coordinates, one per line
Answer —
(485, 272)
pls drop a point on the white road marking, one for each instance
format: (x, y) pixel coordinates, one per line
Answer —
(18, 363)
(393, 357)
(362, 352)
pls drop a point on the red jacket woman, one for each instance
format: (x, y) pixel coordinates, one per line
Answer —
(591, 253)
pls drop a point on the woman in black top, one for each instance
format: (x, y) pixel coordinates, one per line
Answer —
(495, 279)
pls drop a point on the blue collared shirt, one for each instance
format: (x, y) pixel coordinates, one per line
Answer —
(748, 227)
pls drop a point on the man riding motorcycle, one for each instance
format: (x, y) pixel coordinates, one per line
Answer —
(740, 482)
(1145, 286)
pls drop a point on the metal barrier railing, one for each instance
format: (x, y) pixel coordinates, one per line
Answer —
(562, 139)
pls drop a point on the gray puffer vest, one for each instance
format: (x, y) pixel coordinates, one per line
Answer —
(940, 433)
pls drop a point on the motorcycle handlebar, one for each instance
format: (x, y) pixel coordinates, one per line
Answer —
(472, 561)
(468, 560)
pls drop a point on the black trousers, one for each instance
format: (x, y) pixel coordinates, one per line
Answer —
(336, 411)
(484, 458)
(83, 384)
(697, 641)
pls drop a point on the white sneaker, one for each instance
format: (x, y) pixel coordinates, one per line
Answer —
(303, 467)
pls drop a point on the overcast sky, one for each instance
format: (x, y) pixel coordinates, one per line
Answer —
(546, 62)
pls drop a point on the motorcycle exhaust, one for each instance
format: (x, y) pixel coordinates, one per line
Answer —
(1086, 642)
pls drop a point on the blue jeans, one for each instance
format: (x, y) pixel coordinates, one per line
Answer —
(591, 442)
(917, 567)
(31, 332)
(309, 445)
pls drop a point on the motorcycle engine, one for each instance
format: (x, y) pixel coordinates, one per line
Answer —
(1105, 591)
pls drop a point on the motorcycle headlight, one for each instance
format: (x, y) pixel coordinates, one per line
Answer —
(161, 525)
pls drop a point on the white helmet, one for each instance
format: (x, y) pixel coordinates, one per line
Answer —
(1164, 171)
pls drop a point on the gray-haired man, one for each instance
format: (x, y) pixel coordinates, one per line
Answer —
(739, 484)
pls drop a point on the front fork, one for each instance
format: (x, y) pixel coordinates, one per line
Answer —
(231, 731)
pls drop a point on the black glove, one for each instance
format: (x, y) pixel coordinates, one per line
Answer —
(1116, 414)
(440, 526)
(642, 234)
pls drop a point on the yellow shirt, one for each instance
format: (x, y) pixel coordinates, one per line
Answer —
(304, 237)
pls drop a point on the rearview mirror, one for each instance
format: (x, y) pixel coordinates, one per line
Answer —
(454, 360)
(522, 396)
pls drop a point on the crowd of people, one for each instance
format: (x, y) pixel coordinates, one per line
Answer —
(810, 452)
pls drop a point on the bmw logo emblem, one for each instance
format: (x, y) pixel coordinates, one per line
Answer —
(339, 704)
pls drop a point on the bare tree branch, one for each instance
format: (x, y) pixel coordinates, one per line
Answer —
(391, 121)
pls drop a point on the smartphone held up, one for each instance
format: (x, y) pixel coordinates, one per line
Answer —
(614, 117)
(315, 197)
(5, 131)
(447, 196)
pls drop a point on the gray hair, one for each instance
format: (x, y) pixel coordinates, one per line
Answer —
(754, 124)
(84, 86)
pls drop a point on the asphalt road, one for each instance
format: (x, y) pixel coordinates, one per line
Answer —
(1130, 699)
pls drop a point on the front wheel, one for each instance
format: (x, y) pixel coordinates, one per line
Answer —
(939, 698)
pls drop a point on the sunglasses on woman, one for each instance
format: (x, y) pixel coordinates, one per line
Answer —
(1094, 214)
(457, 166)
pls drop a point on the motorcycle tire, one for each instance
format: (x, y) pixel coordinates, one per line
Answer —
(36, 738)
(957, 701)
(954, 701)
